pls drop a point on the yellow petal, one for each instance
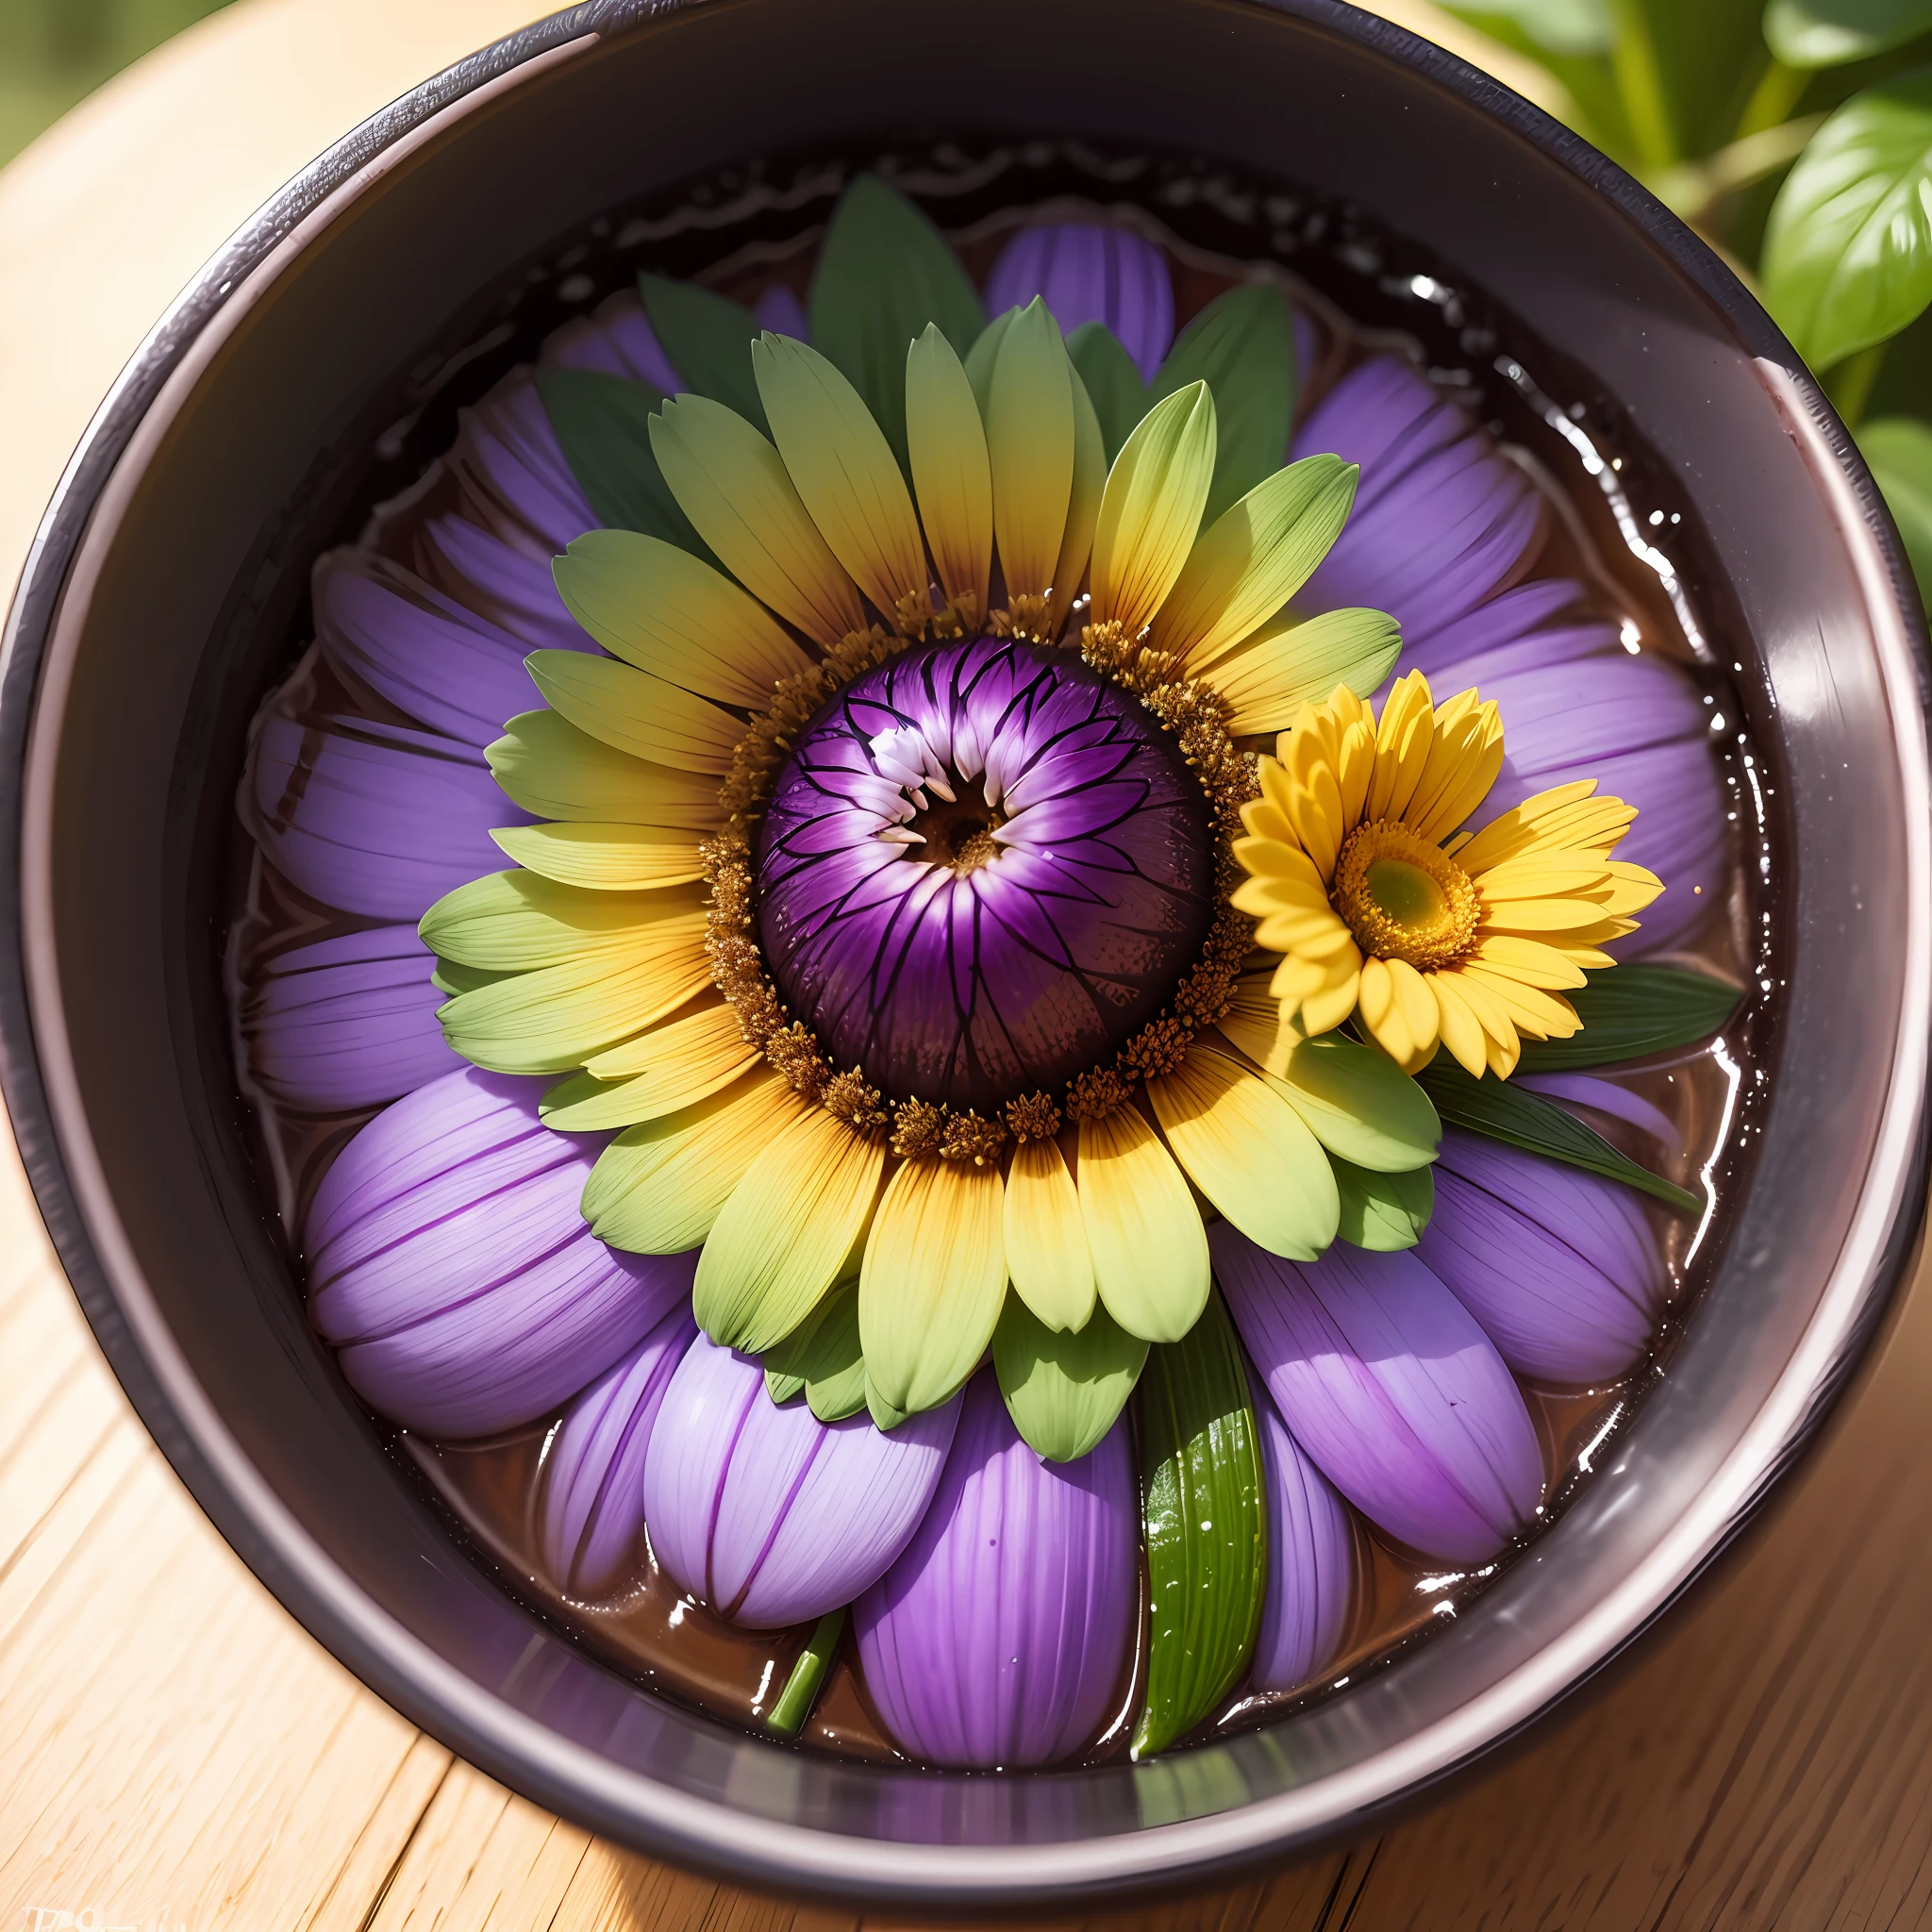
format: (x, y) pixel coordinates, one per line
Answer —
(1405, 734)
(1083, 504)
(844, 468)
(670, 613)
(670, 1068)
(1462, 1032)
(951, 468)
(1249, 1152)
(636, 712)
(735, 489)
(1151, 509)
(1529, 960)
(1029, 435)
(658, 1189)
(1463, 761)
(1382, 1012)
(934, 1277)
(781, 1239)
(604, 859)
(1257, 553)
(508, 922)
(1143, 1231)
(1046, 1239)
(1546, 1015)
(552, 1019)
(1518, 829)
(1420, 1013)
(549, 767)
(1285, 665)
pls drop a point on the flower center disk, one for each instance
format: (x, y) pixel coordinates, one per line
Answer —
(1404, 898)
(983, 869)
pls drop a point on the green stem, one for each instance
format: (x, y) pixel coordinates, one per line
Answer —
(1641, 87)
(1849, 384)
(1778, 91)
(802, 1687)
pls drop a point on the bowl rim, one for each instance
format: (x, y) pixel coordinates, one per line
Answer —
(106, 1279)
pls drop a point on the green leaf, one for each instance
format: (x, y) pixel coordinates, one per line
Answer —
(884, 272)
(1242, 345)
(1384, 1211)
(802, 1687)
(1204, 1517)
(708, 339)
(1848, 248)
(1828, 33)
(1899, 448)
(1629, 1011)
(1113, 383)
(1521, 1119)
(1553, 26)
(603, 424)
(822, 1356)
(1064, 1390)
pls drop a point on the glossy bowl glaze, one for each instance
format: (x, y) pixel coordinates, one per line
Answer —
(175, 555)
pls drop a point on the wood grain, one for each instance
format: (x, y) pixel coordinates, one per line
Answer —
(175, 1751)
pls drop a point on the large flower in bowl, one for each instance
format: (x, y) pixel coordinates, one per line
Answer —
(990, 864)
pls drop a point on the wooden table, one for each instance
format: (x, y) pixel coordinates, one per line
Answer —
(175, 1751)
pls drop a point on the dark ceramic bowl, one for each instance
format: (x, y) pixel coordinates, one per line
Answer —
(171, 567)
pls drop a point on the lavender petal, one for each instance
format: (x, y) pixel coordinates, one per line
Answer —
(345, 1023)
(449, 1264)
(1310, 1562)
(509, 459)
(768, 1514)
(1085, 273)
(1398, 1397)
(1002, 1633)
(1562, 1269)
(592, 1503)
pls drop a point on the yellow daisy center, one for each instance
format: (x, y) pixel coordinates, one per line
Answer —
(1404, 898)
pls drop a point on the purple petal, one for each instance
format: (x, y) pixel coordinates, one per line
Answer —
(780, 310)
(376, 819)
(1311, 1563)
(1089, 274)
(594, 1471)
(426, 653)
(1562, 1269)
(508, 457)
(1605, 1096)
(509, 583)
(449, 1263)
(1003, 1633)
(345, 1023)
(768, 1514)
(617, 339)
(1386, 1380)
(1440, 521)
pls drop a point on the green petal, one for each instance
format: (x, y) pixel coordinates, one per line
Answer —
(735, 488)
(1064, 1390)
(782, 1239)
(549, 767)
(783, 1389)
(1083, 504)
(635, 712)
(982, 358)
(508, 922)
(1384, 1211)
(1255, 557)
(603, 426)
(1144, 1230)
(665, 1071)
(844, 471)
(933, 1279)
(1205, 1520)
(708, 337)
(884, 272)
(1029, 433)
(951, 468)
(823, 1355)
(1242, 345)
(1119, 395)
(1297, 662)
(668, 613)
(1046, 1238)
(884, 1415)
(657, 1190)
(1151, 509)
(1249, 1152)
(604, 858)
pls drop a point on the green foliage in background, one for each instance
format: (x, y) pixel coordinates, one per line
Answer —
(53, 52)
(1797, 138)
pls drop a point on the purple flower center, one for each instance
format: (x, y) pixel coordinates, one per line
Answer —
(983, 869)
